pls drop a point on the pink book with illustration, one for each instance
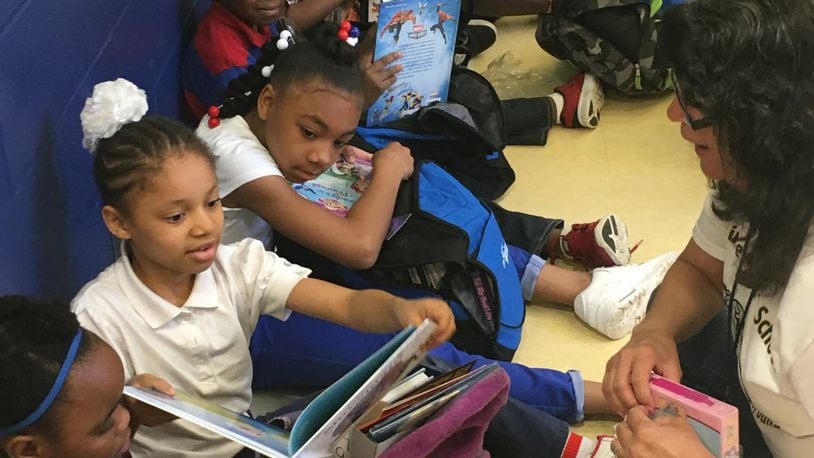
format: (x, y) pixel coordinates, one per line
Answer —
(715, 422)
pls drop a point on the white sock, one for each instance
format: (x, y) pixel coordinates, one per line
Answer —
(559, 102)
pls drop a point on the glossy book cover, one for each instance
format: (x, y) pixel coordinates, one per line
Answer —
(424, 32)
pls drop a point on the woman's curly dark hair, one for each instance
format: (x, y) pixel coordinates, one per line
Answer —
(321, 56)
(749, 64)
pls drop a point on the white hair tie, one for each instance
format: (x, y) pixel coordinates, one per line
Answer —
(112, 105)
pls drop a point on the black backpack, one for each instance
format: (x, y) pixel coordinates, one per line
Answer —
(615, 40)
(465, 135)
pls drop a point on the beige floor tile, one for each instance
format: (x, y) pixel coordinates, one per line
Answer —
(634, 164)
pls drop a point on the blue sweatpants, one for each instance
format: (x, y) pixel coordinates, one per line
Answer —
(317, 353)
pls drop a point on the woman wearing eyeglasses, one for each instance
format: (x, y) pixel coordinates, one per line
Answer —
(740, 298)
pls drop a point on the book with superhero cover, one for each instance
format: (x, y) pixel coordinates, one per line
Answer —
(715, 422)
(323, 421)
(424, 32)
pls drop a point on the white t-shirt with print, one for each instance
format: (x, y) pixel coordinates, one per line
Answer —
(239, 159)
(202, 347)
(777, 346)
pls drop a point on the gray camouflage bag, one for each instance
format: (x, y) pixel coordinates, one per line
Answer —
(614, 40)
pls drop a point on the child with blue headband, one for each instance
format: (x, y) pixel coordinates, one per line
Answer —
(61, 386)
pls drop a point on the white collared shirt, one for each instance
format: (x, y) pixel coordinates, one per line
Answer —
(777, 347)
(240, 158)
(201, 347)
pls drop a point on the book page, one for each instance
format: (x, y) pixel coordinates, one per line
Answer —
(339, 187)
(333, 411)
(262, 438)
(424, 32)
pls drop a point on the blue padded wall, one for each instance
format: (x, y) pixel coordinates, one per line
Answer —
(52, 239)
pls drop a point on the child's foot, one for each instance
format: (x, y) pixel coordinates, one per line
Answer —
(582, 100)
(602, 243)
(477, 36)
(616, 299)
(578, 446)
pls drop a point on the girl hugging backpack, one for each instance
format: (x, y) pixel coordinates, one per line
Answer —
(616, 40)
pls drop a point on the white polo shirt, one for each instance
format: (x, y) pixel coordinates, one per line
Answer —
(777, 348)
(202, 347)
(240, 158)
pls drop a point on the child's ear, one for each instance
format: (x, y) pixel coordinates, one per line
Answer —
(24, 446)
(265, 101)
(115, 222)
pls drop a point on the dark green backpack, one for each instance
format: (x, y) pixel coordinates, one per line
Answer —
(614, 40)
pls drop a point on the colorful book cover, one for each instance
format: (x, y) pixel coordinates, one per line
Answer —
(339, 187)
(715, 422)
(424, 32)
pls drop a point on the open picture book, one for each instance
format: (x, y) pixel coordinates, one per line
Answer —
(424, 32)
(376, 392)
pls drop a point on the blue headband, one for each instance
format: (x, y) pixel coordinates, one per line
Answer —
(55, 389)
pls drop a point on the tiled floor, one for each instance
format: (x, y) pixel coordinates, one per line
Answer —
(634, 164)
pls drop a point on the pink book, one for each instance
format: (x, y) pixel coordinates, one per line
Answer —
(715, 422)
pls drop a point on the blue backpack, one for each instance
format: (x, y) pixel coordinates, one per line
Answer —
(444, 243)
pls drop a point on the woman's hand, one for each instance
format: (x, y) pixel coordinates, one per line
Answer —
(666, 436)
(627, 374)
(142, 414)
(413, 312)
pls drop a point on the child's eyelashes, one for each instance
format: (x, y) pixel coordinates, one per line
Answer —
(213, 203)
(307, 133)
(105, 427)
(175, 218)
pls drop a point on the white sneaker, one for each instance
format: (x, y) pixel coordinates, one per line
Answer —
(616, 300)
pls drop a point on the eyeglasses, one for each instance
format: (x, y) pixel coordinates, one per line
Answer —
(696, 124)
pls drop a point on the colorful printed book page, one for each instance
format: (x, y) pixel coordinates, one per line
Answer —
(339, 187)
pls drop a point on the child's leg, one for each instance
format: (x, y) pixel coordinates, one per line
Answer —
(601, 243)
(314, 352)
(521, 431)
(560, 394)
(317, 353)
(612, 300)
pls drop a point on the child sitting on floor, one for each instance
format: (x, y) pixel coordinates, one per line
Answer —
(292, 125)
(291, 130)
(177, 303)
